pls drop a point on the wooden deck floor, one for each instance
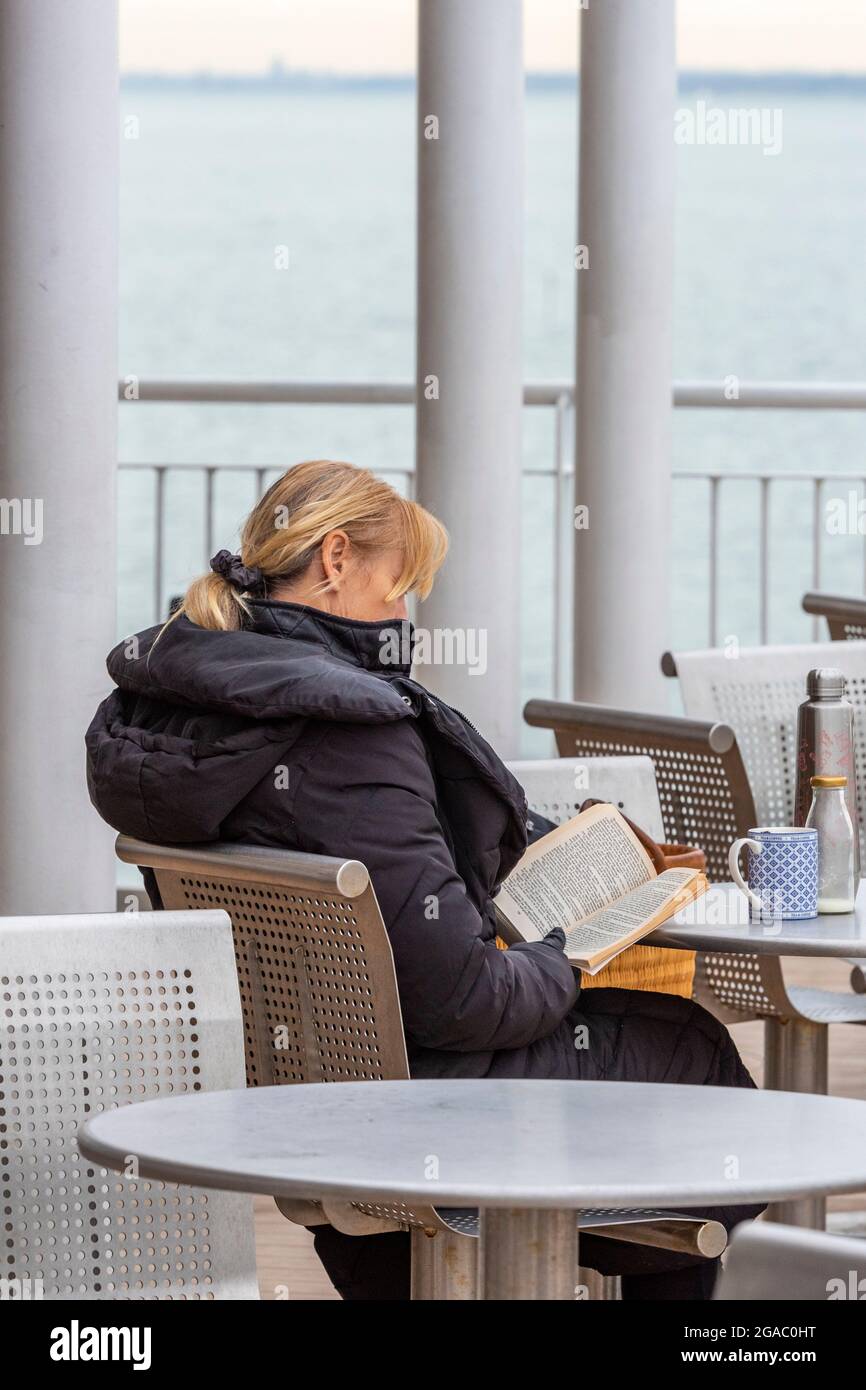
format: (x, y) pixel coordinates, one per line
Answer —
(288, 1265)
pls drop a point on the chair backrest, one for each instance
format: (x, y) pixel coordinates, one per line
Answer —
(846, 617)
(771, 1263)
(758, 694)
(701, 780)
(314, 963)
(705, 800)
(100, 1011)
(315, 968)
(558, 786)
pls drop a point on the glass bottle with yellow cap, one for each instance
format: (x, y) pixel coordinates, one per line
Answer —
(828, 815)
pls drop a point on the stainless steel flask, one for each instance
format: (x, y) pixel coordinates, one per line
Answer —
(825, 745)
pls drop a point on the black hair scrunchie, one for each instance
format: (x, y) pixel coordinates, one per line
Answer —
(245, 579)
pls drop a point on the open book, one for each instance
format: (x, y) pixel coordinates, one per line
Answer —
(593, 878)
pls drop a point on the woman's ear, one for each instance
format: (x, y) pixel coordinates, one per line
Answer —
(335, 554)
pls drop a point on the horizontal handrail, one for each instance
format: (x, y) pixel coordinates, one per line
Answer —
(768, 475)
(771, 395)
(245, 466)
(269, 392)
(565, 469)
(231, 392)
(708, 395)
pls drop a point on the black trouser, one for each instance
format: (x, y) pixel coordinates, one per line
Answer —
(632, 1036)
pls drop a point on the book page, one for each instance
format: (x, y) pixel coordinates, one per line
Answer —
(613, 928)
(572, 873)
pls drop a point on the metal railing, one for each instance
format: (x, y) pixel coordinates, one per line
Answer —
(559, 397)
(730, 394)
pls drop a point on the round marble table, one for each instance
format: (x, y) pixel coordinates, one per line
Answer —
(719, 921)
(529, 1154)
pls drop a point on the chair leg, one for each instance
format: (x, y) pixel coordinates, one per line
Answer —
(444, 1266)
(597, 1288)
(796, 1059)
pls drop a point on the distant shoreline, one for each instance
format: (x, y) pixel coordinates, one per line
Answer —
(285, 80)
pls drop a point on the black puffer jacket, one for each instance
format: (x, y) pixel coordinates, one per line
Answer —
(294, 734)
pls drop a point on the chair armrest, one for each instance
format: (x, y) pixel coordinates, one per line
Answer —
(686, 1235)
(858, 976)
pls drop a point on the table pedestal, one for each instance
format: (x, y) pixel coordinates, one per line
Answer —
(795, 1059)
(444, 1266)
(528, 1254)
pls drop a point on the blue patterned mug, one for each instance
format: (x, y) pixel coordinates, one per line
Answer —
(782, 872)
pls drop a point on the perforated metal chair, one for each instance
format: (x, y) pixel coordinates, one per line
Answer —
(706, 800)
(846, 617)
(320, 1003)
(100, 1011)
(758, 693)
(785, 1264)
(702, 785)
(557, 787)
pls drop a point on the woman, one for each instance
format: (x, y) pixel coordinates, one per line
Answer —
(271, 710)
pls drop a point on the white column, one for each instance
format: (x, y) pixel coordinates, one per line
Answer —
(58, 408)
(469, 350)
(624, 364)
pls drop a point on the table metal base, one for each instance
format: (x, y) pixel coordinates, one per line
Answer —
(528, 1255)
(796, 1059)
(444, 1266)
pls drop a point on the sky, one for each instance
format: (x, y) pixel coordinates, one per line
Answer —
(378, 36)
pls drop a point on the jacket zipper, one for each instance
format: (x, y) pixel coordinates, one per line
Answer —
(462, 716)
(471, 752)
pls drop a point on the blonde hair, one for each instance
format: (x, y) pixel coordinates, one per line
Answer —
(286, 527)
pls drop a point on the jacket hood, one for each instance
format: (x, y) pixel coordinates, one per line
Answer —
(199, 717)
(323, 668)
